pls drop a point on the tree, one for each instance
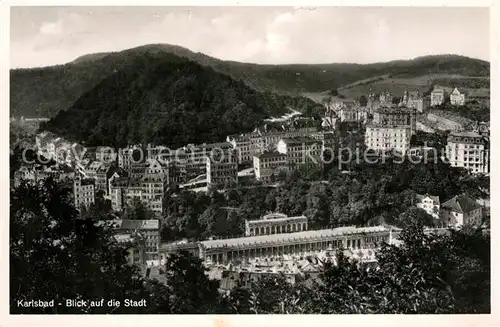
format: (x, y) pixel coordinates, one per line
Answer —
(270, 295)
(418, 215)
(425, 274)
(138, 210)
(55, 256)
(363, 101)
(189, 288)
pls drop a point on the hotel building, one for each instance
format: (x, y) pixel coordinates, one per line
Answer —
(268, 164)
(468, 150)
(385, 138)
(83, 192)
(222, 168)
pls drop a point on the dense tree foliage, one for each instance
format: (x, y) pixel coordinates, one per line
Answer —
(165, 99)
(426, 274)
(369, 194)
(436, 140)
(55, 256)
(138, 210)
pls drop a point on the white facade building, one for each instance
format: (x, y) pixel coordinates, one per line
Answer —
(457, 98)
(429, 203)
(301, 151)
(468, 150)
(223, 168)
(268, 164)
(386, 138)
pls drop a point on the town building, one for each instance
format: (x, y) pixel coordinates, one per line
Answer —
(384, 138)
(328, 141)
(149, 189)
(429, 203)
(42, 140)
(468, 150)
(195, 156)
(301, 151)
(90, 171)
(83, 192)
(102, 176)
(438, 95)
(425, 153)
(413, 100)
(353, 114)
(222, 168)
(136, 252)
(461, 210)
(457, 98)
(148, 229)
(483, 129)
(396, 117)
(105, 154)
(267, 140)
(275, 223)
(130, 155)
(242, 144)
(373, 102)
(329, 122)
(58, 149)
(268, 165)
(385, 99)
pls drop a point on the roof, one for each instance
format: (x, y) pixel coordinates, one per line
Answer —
(94, 165)
(465, 134)
(277, 219)
(374, 125)
(104, 168)
(461, 204)
(137, 224)
(297, 236)
(122, 238)
(270, 154)
(394, 110)
(432, 197)
(120, 181)
(413, 94)
(458, 91)
(299, 140)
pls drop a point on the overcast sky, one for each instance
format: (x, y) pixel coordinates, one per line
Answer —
(42, 36)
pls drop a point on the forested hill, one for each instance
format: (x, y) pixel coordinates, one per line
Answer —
(43, 92)
(166, 99)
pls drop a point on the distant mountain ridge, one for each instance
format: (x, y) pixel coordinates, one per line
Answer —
(43, 92)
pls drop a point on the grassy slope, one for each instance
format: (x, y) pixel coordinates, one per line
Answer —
(476, 86)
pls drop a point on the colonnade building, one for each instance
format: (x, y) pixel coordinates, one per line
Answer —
(237, 249)
(275, 223)
(277, 235)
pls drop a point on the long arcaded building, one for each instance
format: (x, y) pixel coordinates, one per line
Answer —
(282, 241)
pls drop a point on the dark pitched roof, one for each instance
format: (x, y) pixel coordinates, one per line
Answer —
(461, 204)
(299, 140)
(270, 154)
